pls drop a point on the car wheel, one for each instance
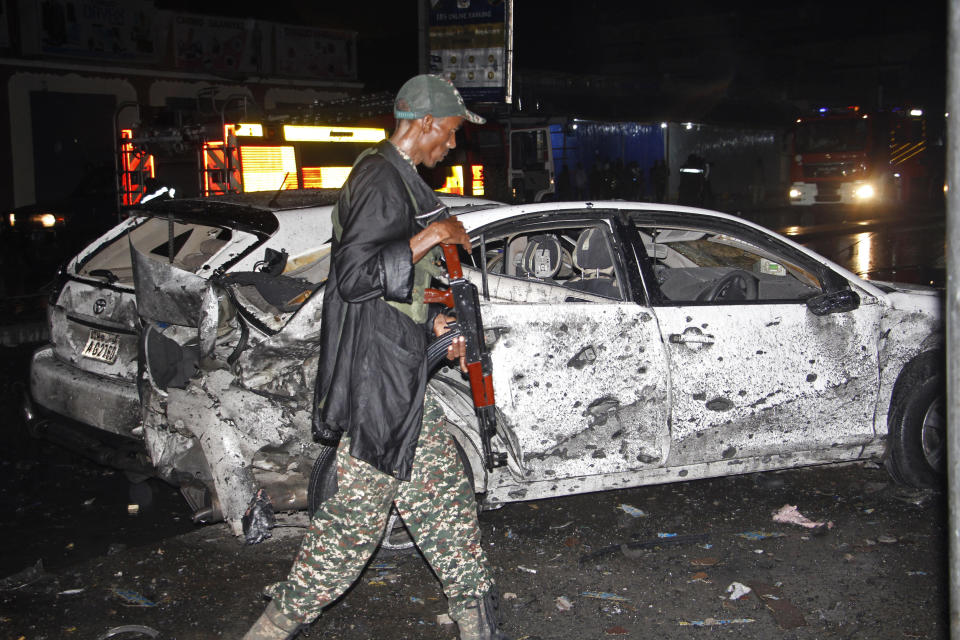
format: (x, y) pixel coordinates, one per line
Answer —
(323, 484)
(323, 478)
(397, 539)
(917, 432)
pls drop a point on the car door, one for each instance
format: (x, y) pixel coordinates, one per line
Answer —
(753, 372)
(579, 373)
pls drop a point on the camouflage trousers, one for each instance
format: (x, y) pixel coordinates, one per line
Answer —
(437, 506)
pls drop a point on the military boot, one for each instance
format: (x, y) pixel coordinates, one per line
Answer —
(480, 619)
(273, 625)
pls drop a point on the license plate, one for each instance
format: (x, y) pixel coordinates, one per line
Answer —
(102, 346)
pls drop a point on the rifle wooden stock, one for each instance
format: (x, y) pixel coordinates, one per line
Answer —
(462, 297)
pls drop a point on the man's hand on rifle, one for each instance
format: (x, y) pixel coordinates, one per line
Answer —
(448, 231)
(457, 348)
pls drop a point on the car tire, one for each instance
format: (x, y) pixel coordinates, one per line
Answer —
(323, 479)
(917, 430)
(323, 485)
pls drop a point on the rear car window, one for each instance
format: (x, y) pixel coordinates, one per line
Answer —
(188, 247)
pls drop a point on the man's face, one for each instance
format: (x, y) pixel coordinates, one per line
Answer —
(439, 138)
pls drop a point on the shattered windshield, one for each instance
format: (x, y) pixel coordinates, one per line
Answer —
(186, 245)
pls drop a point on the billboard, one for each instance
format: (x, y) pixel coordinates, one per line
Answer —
(322, 54)
(218, 45)
(468, 46)
(106, 29)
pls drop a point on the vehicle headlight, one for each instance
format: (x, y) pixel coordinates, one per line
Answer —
(46, 220)
(864, 191)
(12, 218)
(794, 194)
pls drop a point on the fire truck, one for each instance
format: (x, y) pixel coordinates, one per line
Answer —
(853, 157)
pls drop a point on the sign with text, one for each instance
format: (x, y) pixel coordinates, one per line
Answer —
(219, 45)
(106, 29)
(468, 44)
(316, 53)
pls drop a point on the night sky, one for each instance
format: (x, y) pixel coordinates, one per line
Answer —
(878, 53)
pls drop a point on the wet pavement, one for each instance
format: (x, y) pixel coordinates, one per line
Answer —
(902, 245)
(569, 568)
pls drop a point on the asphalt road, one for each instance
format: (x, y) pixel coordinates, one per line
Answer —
(569, 568)
(879, 572)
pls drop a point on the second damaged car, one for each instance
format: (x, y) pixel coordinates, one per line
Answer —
(631, 344)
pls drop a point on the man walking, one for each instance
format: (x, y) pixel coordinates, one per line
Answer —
(372, 379)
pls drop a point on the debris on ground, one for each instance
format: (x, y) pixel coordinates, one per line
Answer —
(23, 578)
(563, 603)
(738, 590)
(71, 592)
(712, 622)
(562, 526)
(604, 595)
(789, 514)
(258, 519)
(631, 510)
(704, 562)
(700, 576)
(786, 614)
(626, 548)
(526, 569)
(131, 598)
(885, 539)
(616, 631)
(916, 497)
(444, 619)
(760, 535)
(148, 632)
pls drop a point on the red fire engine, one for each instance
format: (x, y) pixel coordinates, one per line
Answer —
(849, 156)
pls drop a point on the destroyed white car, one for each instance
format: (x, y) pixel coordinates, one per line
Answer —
(631, 344)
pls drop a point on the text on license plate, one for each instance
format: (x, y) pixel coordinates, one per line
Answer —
(102, 346)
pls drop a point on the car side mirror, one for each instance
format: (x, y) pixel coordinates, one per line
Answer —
(833, 302)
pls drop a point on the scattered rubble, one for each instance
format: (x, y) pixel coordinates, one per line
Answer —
(789, 514)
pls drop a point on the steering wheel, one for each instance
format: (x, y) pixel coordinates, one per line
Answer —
(736, 285)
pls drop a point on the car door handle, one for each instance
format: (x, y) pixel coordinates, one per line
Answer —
(691, 338)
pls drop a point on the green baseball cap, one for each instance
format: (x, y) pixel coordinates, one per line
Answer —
(431, 94)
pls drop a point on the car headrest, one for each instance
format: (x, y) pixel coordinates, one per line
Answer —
(592, 252)
(542, 257)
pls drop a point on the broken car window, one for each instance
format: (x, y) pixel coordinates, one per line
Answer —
(193, 246)
(699, 266)
(575, 260)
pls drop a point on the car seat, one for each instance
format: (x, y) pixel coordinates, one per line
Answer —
(542, 257)
(591, 258)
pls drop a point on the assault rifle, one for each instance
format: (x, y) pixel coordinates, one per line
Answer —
(463, 299)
